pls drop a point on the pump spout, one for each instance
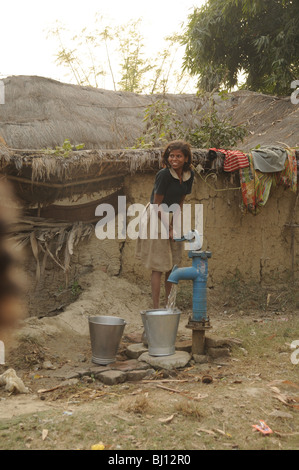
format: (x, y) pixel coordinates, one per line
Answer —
(182, 274)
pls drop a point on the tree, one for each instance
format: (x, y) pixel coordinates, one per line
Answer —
(133, 65)
(259, 38)
(117, 54)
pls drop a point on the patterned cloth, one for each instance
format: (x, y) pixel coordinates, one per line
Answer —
(256, 186)
(234, 159)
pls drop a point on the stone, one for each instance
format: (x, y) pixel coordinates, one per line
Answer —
(126, 366)
(111, 377)
(212, 342)
(218, 352)
(96, 368)
(69, 382)
(174, 361)
(135, 350)
(65, 372)
(184, 346)
(135, 375)
(200, 358)
(48, 365)
(132, 338)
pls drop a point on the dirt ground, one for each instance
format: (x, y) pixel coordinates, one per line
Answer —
(213, 405)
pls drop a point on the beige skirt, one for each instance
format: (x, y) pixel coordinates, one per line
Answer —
(157, 254)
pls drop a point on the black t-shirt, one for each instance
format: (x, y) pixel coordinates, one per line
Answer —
(167, 183)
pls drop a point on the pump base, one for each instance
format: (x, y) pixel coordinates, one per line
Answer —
(198, 335)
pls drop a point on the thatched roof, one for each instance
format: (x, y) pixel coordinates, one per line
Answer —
(43, 178)
(41, 113)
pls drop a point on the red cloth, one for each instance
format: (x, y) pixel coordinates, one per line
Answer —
(234, 159)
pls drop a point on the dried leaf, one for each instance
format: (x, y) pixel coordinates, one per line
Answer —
(166, 420)
(208, 431)
(44, 434)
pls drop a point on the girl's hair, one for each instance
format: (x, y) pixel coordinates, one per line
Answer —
(178, 145)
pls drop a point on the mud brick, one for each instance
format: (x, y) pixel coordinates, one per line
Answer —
(129, 365)
(184, 346)
(136, 375)
(111, 377)
(218, 352)
(135, 350)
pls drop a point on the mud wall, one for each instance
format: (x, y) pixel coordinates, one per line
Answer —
(258, 247)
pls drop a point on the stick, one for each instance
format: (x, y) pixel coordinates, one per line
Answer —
(176, 391)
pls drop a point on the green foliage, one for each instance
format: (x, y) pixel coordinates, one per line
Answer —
(162, 125)
(76, 289)
(216, 132)
(64, 150)
(133, 65)
(259, 38)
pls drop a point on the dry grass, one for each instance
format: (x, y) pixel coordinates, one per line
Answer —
(188, 409)
(139, 405)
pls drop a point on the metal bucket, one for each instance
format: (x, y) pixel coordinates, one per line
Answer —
(161, 327)
(105, 336)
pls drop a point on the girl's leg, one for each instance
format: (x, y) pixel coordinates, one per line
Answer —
(168, 286)
(156, 284)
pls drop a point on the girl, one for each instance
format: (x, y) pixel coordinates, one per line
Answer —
(172, 184)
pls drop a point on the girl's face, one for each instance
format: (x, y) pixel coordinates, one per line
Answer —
(176, 160)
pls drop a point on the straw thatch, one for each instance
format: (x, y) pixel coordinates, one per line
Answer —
(42, 178)
(49, 239)
(41, 113)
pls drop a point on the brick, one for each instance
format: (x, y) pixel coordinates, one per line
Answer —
(218, 352)
(135, 350)
(126, 366)
(136, 375)
(111, 377)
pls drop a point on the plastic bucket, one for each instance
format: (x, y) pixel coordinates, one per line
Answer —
(105, 336)
(161, 327)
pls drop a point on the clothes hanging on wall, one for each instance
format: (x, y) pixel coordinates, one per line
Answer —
(269, 159)
(256, 186)
(234, 159)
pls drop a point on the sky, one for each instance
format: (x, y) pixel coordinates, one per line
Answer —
(27, 49)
